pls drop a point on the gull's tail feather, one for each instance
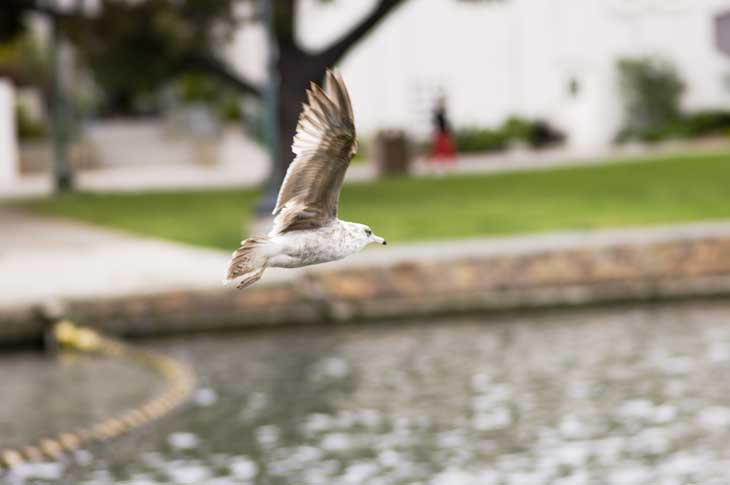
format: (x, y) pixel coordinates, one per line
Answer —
(248, 263)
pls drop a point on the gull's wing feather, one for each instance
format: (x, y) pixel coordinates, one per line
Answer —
(323, 145)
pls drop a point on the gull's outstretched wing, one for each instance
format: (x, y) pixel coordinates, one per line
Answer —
(323, 145)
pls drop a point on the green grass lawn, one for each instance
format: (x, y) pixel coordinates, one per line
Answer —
(654, 191)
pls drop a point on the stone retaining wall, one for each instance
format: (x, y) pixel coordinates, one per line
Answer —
(686, 267)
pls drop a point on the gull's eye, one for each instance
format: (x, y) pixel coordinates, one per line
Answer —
(368, 232)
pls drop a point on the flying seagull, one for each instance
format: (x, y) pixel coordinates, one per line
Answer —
(306, 229)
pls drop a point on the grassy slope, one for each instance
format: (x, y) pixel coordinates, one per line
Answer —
(659, 191)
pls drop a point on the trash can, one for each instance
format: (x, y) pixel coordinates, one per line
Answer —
(392, 153)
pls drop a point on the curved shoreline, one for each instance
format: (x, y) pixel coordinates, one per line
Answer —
(526, 272)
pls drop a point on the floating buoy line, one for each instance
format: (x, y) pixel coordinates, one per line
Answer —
(180, 379)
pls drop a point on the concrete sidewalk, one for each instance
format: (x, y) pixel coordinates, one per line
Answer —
(42, 259)
(253, 169)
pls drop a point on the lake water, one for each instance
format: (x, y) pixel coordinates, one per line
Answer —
(624, 395)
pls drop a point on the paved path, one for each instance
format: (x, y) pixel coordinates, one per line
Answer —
(252, 170)
(42, 259)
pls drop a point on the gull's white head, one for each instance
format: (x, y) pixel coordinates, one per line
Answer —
(364, 235)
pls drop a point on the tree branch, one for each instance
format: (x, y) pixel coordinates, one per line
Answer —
(334, 53)
(215, 67)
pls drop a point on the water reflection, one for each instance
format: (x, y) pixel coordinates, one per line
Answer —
(619, 396)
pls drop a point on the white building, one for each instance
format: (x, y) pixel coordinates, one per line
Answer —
(496, 59)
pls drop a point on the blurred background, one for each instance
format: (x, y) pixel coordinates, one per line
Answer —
(552, 179)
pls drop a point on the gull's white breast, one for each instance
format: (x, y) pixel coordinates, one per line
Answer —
(306, 247)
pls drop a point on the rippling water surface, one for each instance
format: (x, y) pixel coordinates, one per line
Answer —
(630, 395)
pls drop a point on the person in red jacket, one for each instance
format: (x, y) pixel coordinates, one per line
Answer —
(443, 150)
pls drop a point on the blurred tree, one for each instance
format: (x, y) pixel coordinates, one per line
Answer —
(133, 48)
(296, 68)
(31, 66)
(651, 90)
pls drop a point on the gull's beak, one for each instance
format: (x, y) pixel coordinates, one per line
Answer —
(379, 240)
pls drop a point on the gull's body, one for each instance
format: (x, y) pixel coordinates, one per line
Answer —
(306, 228)
(314, 246)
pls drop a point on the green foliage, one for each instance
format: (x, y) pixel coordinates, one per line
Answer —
(469, 140)
(652, 191)
(517, 129)
(23, 59)
(193, 87)
(134, 48)
(28, 128)
(692, 125)
(543, 134)
(229, 109)
(651, 90)
(537, 134)
(703, 123)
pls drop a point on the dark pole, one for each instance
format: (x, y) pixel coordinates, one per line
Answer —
(271, 114)
(63, 177)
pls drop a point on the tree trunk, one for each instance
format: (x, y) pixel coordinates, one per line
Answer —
(296, 69)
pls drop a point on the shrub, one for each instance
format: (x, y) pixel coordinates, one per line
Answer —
(517, 129)
(480, 140)
(651, 90)
(538, 134)
(710, 122)
(543, 134)
(28, 128)
(691, 125)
